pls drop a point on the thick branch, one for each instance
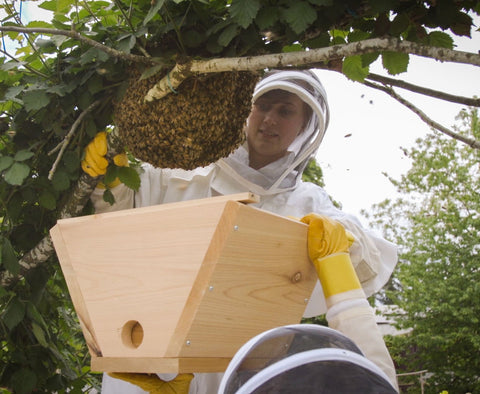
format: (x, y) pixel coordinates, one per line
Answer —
(44, 249)
(471, 102)
(295, 59)
(73, 34)
(280, 60)
(468, 141)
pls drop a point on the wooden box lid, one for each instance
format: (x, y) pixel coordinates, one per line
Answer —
(181, 287)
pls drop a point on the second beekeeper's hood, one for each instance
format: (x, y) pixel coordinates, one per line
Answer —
(285, 173)
(302, 358)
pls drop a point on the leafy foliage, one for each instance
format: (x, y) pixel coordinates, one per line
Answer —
(313, 173)
(436, 226)
(60, 89)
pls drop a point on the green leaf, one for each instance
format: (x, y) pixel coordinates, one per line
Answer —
(64, 5)
(42, 43)
(59, 40)
(129, 177)
(47, 200)
(151, 71)
(92, 55)
(71, 161)
(399, 24)
(462, 24)
(13, 92)
(35, 99)
(14, 206)
(23, 155)
(244, 11)
(267, 17)
(440, 39)
(24, 381)
(292, 48)
(90, 126)
(340, 33)
(108, 196)
(300, 15)
(48, 5)
(321, 2)
(14, 313)
(395, 62)
(323, 40)
(127, 43)
(3, 292)
(338, 40)
(358, 35)
(379, 6)
(60, 181)
(353, 68)
(95, 84)
(38, 24)
(17, 173)
(193, 38)
(5, 162)
(369, 58)
(156, 5)
(36, 316)
(8, 257)
(228, 34)
(111, 174)
(39, 334)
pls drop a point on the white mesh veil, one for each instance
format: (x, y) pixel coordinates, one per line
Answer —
(285, 173)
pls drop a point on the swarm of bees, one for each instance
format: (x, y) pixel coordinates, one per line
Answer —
(199, 123)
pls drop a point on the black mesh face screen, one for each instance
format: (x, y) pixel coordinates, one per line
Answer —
(303, 359)
(282, 343)
(326, 377)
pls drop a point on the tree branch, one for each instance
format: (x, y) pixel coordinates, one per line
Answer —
(468, 141)
(63, 145)
(73, 34)
(471, 102)
(44, 249)
(32, 70)
(279, 60)
(72, 208)
(294, 59)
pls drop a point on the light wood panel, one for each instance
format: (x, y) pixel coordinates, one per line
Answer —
(180, 287)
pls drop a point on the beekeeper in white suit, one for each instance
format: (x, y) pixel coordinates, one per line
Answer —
(285, 127)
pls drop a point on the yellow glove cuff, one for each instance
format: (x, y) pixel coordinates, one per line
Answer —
(336, 274)
(154, 385)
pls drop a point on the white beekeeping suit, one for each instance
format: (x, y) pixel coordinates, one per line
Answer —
(281, 191)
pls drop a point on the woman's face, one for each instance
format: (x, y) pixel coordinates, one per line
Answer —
(276, 118)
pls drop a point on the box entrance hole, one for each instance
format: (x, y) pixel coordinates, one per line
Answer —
(132, 334)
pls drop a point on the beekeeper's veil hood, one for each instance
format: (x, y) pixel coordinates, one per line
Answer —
(285, 173)
(302, 358)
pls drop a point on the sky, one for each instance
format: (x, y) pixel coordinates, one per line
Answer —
(379, 126)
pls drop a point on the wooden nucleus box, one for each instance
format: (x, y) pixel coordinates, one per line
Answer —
(181, 287)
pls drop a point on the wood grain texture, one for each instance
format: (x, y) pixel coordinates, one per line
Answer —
(159, 364)
(180, 287)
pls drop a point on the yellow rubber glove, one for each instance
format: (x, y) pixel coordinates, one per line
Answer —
(95, 163)
(154, 385)
(328, 244)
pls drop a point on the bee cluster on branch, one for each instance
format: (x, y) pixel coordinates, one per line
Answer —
(199, 123)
